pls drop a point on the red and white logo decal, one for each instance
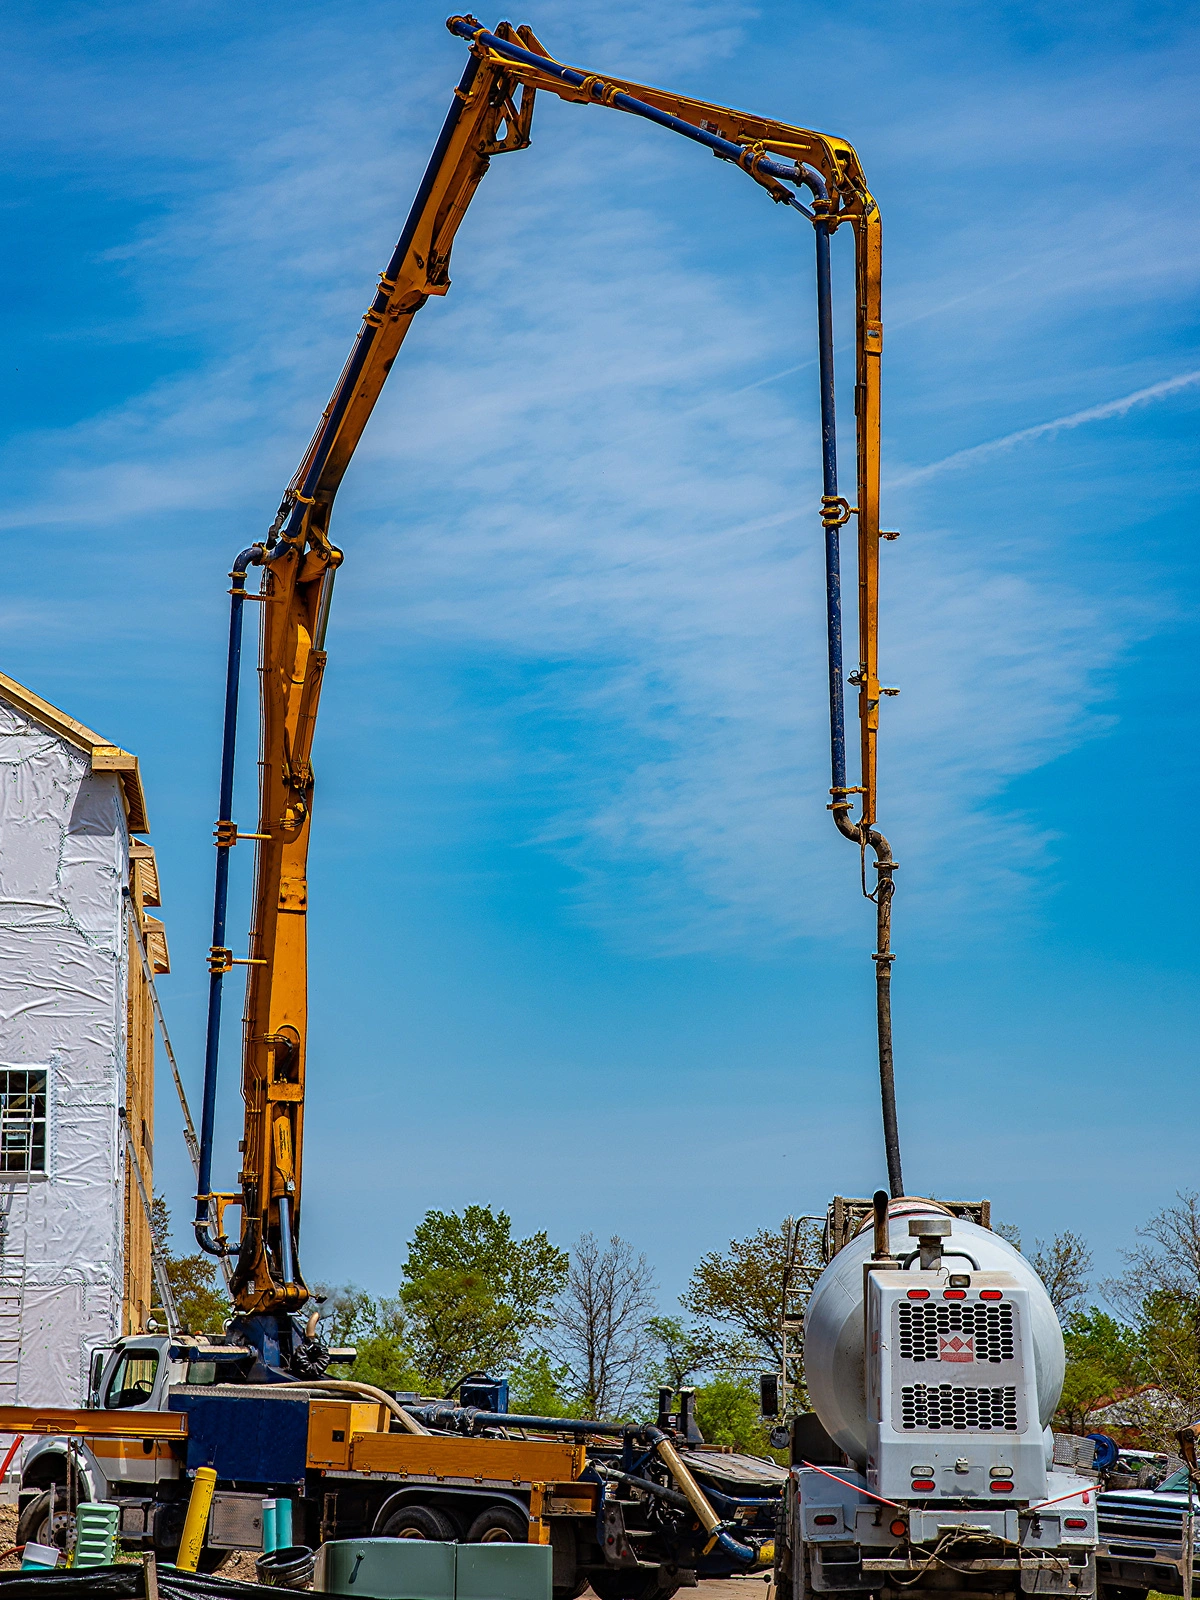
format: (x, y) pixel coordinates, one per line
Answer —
(956, 1347)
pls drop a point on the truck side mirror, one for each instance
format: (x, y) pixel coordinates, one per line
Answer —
(768, 1394)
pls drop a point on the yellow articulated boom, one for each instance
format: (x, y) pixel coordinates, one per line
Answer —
(490, 114)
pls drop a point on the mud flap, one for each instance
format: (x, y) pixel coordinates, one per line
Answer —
(1061, 1578)
(836, 1567)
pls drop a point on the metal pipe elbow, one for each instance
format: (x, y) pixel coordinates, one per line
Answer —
(740, 1551)
(208, 1244)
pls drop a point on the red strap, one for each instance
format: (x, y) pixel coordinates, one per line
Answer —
(12, 1450)
(1074, 1494)
(853, 1486)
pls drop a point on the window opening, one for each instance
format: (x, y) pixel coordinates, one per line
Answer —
(23, 1119)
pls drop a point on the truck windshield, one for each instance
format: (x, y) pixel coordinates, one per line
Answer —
(132, 1382)
(1177, 1482)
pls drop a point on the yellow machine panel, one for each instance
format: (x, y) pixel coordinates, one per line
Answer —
(332, 1423)
(515, 1461)
(93, 1424)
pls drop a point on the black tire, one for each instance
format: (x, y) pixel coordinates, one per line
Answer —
(33, 1525)
(499, 1525)
(627, 1583)
(418, 1522)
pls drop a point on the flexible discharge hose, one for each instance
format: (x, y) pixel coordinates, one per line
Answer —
(696, 1498)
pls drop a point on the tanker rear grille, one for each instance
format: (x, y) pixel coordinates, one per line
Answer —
(949, 1405)
(986, 1331)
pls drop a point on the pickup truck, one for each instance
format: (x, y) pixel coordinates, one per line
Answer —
(160, 1407)
(1140, 1534)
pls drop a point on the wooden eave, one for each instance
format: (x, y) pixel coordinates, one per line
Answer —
(105, 757)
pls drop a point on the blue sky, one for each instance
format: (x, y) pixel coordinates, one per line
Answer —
(585, 943)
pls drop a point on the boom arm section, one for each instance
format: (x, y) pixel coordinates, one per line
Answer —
(490, 114)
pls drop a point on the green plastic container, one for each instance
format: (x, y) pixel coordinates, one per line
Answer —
(96, 1523)
(386, 1569)
(503, 1571)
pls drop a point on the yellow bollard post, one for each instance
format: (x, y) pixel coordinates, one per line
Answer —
(196, 1521)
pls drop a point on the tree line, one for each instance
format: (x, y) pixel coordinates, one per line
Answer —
(580, 1332)
(576, 1333)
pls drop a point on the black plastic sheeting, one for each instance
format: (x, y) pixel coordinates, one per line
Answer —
(129, 1583)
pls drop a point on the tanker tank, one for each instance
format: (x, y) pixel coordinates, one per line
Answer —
(834, 1322)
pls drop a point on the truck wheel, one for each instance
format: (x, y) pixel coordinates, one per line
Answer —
(418, 1522)
(499, 1525)
(33, 1525)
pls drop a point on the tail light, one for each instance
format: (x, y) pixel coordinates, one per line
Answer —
(824, 1522)
(923, 1484)
(1001, 1486)
(899, 1528)
(1074, 1522)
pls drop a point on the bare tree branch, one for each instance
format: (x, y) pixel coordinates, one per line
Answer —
(1064, 1266)
(603, 1322)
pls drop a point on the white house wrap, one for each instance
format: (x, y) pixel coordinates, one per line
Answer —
(71, 1036)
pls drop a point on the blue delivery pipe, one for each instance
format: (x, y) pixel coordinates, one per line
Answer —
(251, 557)
(771, 166)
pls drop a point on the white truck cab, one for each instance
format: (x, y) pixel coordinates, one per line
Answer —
(134, 1374)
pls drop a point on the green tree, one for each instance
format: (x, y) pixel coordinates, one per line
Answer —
(202, 1305)
(681, 1352)
(473, 1294)
(539, 1387)
(727, 1413)
(1159, 1295)
(740, 1296)
(1104, 1359)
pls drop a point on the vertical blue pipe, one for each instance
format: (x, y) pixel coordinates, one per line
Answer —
(221, 894)
(829, 487)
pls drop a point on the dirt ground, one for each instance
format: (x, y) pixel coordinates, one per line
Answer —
(8, 1537)
(240, 1565)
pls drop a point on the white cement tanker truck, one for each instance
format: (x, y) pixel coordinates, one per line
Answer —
(933, 1361)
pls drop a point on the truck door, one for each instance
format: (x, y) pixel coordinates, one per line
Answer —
(136, 1381)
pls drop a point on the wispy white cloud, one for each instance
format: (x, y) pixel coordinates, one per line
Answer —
(1045, 430)
(590, 461)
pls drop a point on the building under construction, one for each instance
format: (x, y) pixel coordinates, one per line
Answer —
(76, 1047)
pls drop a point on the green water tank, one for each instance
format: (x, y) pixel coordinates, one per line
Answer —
(423, 1569)
(386, 1569)
(504, 1572)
